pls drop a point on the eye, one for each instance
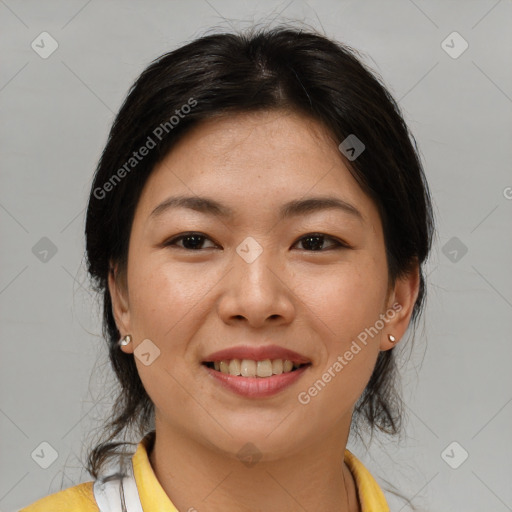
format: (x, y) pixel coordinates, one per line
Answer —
(191, 241)
(315, 242)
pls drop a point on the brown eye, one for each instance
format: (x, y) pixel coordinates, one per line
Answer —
(315, 241)
(191, 241)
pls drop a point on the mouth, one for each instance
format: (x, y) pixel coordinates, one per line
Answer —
(255, 368)
(255, 378)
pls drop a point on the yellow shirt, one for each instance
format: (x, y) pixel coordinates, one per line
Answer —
(80, 498)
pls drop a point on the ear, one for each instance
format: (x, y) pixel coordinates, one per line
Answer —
(117, 285)
(400, 305)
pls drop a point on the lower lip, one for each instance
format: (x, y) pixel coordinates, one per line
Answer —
(257, 387)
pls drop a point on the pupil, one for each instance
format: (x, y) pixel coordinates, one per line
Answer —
(314, 245)
(197, 244)
(315, 242)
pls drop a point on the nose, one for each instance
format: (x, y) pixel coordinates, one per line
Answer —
(257, 293)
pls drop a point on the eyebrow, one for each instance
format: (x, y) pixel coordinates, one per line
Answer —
(293, 208)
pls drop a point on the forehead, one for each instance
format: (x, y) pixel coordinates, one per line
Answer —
(254, 161)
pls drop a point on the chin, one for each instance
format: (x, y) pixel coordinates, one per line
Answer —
(257, 445)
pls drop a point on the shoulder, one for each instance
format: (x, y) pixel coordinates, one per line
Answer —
(79, 498)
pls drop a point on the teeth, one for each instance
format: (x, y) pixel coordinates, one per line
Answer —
(264, 368)
(250, 368)
(277, 366)
(235, 368)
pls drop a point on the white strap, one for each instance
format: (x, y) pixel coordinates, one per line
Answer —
(115, 492)
(131, 493)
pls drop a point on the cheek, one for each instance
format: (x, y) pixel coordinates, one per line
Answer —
(164, 301)
(162, 294)
(347, 299)
(345, 303)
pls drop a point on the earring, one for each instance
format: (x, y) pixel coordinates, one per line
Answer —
(125, 341)
(392, 338)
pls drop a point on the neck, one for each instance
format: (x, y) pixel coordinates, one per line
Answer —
(197, 477)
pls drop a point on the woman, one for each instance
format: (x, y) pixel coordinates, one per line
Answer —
(257, 226)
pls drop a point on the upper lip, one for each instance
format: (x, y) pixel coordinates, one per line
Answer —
(257, 354)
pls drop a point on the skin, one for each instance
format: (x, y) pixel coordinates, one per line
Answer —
(191, 303)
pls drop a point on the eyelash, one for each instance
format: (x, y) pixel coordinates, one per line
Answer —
(338, 244)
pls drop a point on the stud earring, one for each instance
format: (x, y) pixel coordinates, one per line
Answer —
(125, 341)
(392, 339)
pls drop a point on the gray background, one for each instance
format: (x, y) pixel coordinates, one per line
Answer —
(56, 113)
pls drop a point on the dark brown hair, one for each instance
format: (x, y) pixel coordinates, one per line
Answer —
(260, 69)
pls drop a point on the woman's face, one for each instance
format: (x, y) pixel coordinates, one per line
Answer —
(252, 279)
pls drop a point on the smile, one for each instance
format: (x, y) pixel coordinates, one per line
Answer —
(251, 368)
(255, 380)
